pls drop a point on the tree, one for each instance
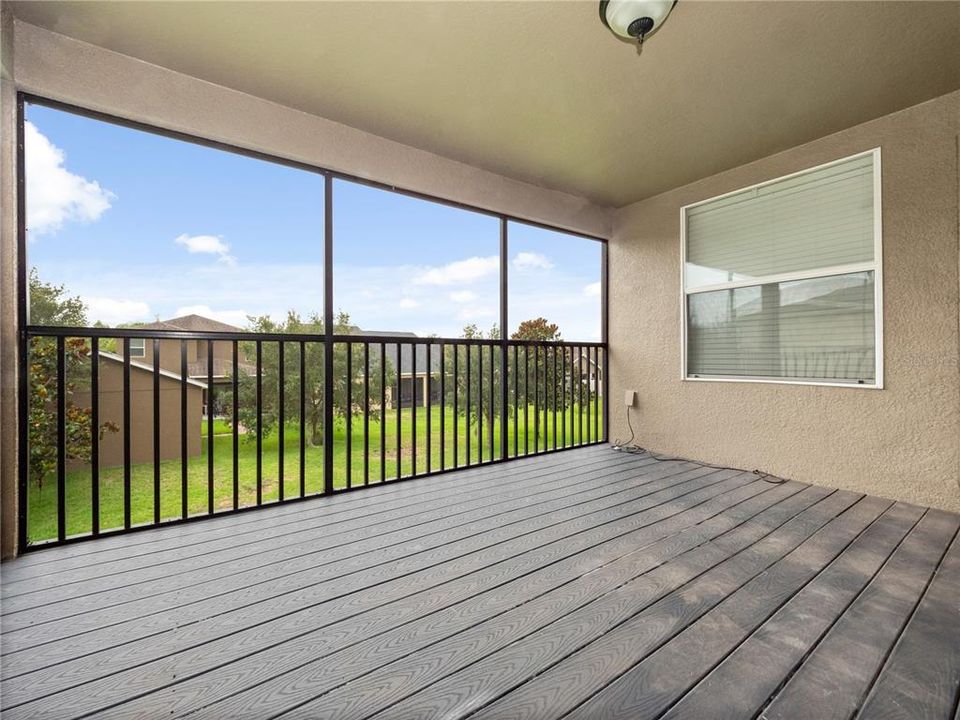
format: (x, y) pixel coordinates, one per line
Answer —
(50, 305)
(313, 389)
(481, 408)
(542, 377)
(538, 329)
(538, 375)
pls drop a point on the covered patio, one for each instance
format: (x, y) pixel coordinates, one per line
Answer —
(588, 584)
(630, 250)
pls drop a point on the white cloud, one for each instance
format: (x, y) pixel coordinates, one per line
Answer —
(476, 313)
(231, 317)
(408, 304)
(207, 244)
(54, 194)
(531, 261)
(463, 296)
(459, 272)
(111, 311)
(592, 290)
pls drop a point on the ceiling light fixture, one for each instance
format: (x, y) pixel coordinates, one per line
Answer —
(634, 19)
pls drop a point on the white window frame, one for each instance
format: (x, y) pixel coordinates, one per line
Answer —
(876, 266)
(141, 347)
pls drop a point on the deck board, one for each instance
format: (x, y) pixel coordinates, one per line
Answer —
(582, 584)
(921, 677)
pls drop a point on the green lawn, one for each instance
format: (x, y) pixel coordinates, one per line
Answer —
(220, 427)
(42, 519)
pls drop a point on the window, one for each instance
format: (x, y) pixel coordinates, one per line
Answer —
(782, 281)
(137, 347)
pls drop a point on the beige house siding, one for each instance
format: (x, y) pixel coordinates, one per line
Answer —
(196, 353)
(141, 415)
(901, 442)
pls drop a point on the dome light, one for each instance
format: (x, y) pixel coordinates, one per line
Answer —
(634, 19)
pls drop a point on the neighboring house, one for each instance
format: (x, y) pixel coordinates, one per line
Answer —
(409, 384)
(593, 372)
(141, 411)
(197, 354)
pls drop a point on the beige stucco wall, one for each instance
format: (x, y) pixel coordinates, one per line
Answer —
(901, 442)
(141, 415)
(8, 292)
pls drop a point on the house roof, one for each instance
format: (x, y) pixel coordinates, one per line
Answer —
(193, 323)
(406, 356)
(112, 357)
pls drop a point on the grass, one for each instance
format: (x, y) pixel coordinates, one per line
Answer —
(42, 503)
(220, 427)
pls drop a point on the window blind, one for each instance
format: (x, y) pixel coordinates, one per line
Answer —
(822, 218)
(822, 327)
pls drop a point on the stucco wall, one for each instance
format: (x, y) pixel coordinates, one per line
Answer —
(141, 415)
(8, 292)
(901, 442)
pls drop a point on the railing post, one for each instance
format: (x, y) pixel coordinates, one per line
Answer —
(366, 412)
(235, 430)
(328, 335)
(259, 422)
(456, 408)
(210, 398)
(504, 319)
(155, 343)
(62, 441)
(413, 409)
(443, 405)
(281, 420)
(95, 435)
(303, 418)
(429, 406)
(184, 486)
(468, 348)
(398, 405)
(126, 433)
(605, 336)
(383, 412)
(480, 403)
(348, 410)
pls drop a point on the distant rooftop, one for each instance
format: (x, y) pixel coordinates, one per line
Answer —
(193, 323)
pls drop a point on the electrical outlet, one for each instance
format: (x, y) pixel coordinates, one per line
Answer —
(630, 398)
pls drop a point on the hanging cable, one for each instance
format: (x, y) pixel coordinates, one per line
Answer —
(628, 446)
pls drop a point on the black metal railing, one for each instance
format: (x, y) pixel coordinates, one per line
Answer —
(117, 441)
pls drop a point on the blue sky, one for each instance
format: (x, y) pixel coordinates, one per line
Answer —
(142, 226)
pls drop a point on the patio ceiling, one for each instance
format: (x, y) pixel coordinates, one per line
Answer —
(542, 91)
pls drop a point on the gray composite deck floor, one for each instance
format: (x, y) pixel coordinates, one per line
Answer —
(582, 584)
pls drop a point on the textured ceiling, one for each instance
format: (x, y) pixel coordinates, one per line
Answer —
(541, 91)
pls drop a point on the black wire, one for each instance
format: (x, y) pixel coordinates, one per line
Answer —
(629, 446)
